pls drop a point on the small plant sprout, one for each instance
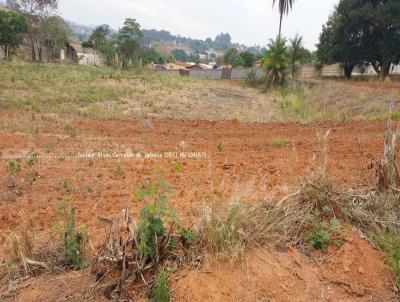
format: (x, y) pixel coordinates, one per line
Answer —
(73, 239)
(188, 237)
(49, 146)
(220, 147)
(276, 143)
(70, 131)
(177, 167)
(64, 184)
(324, 234)
(118, 170)
(13, 167)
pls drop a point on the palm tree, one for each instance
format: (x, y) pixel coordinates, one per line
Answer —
(275, 62)
(284, 7)
(295, 47)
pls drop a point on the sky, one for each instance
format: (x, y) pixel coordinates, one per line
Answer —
(248, 22)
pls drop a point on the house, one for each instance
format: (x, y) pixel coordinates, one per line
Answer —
(74, 52)
(198, 67)
(177, 65)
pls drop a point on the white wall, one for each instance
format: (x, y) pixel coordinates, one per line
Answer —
(90, 59)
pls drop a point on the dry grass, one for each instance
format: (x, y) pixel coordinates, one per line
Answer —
(37, 95)
(232, 230)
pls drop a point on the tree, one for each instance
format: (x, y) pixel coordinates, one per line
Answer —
(128, 42)
(284, 7)
(180, 55)
(195, 58)
(275, 62)
(55, 34)
(232, 57)
(35, 11)
(338, 44)
(295, 52)
(151, 56)
(222, 41)
(12, 26)
(101, 39)
(362, 31)
(248, 58)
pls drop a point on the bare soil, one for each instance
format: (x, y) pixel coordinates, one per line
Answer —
(353, 272)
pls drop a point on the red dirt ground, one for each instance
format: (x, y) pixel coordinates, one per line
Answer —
(354, 272)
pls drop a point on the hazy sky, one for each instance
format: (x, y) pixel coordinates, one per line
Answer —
(248, 21)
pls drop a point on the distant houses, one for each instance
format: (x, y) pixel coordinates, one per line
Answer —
(179, 65)
(81, 55)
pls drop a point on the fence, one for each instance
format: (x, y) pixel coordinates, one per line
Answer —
(216, 74)
(305, 72)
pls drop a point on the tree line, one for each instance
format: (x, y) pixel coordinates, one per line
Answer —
(361, 32)
(33, 24)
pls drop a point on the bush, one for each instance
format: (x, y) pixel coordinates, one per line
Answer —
(188, 237)
(156, 218)
(73, 240)
(251, 78)
(162, 290)
(389, 242)
(324, 233)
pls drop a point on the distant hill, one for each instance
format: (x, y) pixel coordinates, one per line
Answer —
(83, 32)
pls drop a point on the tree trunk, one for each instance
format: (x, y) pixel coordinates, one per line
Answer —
(348, 69)
(384, 71)
(280, 24)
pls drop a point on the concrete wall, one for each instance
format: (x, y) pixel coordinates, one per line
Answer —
(334, 70)
(368, 70)
(90, 59)
(168, 72)
(241, 73)
(307, 72)
(206, 74)
(216, 74)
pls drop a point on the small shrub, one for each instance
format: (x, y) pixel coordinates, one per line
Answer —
(73, 240)
(276, 143)
(188, 237)
(13, 167)
(220, 147)
(162, 289)
(389, 242)
(251, 78)
(323, 234)
(155, 218)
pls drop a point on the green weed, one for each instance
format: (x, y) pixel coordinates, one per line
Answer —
(276, 143)
(162, 289)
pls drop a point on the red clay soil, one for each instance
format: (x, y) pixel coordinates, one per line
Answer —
(354, 272)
